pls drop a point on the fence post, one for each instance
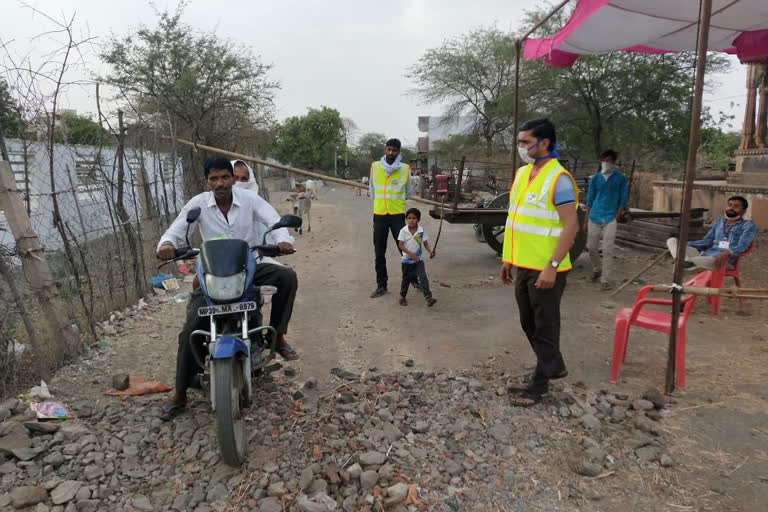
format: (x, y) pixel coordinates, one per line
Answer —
(150, 226)
(36, 268)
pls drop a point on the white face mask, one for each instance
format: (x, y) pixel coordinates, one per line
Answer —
(606, 168)
(523, 152)
(241, 184)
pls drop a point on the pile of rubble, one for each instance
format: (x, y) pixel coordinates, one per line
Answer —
(400, 441)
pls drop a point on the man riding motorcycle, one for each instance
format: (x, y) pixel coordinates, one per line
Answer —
(237, 213)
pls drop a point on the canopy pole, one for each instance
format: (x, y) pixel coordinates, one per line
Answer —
(518, 51)
(690, 173)
(516, 119)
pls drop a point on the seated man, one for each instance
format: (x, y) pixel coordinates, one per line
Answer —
(728, 237)
(232, 213)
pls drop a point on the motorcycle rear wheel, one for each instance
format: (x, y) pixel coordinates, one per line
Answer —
(230, 411)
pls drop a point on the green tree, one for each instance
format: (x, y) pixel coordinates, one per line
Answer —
(210, 89)
(74, 129)
(450, 150)
(10, 122)
(637, 104)
(371, 146)
(474, 75)
(310, 140)
(718, 146)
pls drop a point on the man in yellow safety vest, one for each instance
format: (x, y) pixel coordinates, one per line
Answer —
(541, 227)
(389, 187)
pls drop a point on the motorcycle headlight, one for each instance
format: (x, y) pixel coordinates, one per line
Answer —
(225, 288)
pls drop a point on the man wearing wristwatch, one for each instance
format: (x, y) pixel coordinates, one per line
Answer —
(541, 227)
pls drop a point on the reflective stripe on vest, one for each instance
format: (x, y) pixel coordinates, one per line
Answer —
(389, 191)
(533, 225)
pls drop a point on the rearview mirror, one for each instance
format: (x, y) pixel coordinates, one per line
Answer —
(287, 221)
(193, 214)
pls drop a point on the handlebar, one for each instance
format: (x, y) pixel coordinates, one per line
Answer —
(185, 253)
(268, 250)
(182, 253)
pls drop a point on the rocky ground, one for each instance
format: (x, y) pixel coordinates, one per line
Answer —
(419, 419)
(398, 440)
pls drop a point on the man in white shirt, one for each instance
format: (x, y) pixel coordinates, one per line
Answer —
(232, 213)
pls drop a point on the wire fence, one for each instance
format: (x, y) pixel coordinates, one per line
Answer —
(96, 213)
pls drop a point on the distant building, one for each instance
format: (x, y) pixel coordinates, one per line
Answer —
(441, 128)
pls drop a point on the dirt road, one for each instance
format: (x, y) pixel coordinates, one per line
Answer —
(715, 430)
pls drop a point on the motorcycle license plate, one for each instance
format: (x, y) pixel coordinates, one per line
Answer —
(226, 309)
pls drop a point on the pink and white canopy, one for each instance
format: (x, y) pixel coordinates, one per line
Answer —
(654, 26)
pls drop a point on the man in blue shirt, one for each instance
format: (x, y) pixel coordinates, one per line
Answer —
(728, 237)
(606, 202)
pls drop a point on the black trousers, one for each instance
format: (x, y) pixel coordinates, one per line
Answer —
(540, 319)
(415, 273)
(383, 225)
(281, 277)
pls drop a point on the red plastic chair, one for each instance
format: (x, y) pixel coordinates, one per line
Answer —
(655, 321)
(718, 277)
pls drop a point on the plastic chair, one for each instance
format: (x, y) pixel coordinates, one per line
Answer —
(656, 321)
(718, 277)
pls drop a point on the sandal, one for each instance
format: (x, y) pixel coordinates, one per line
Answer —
(525, 399)
(526, 380)
(287, 353)
(528, 376)
(168, 412)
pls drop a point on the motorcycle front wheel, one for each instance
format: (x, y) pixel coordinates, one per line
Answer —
(230, 410)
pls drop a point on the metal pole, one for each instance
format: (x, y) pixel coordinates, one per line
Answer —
(690, 174)
(518, 51)
(515, 125)
(544, 20)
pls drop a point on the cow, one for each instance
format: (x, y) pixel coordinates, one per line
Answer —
(302, 206)
(311, 188)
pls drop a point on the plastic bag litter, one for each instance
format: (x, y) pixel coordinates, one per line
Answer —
(170, 284)
(157, 281)
(182, 297)
(16, 349)
(41, 391)
(50, 410)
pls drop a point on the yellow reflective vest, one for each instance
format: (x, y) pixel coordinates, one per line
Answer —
(533, 225)
(389, 191)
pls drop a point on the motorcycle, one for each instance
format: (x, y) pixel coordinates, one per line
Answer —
(234, 353)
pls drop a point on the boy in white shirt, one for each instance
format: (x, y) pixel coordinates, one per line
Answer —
(411, 240)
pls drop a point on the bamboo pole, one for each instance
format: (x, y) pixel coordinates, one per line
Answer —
(294, 170)
(727, 293)
(648, 267)
(690, 173)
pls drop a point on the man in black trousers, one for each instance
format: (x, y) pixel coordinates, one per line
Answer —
(389, 186)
